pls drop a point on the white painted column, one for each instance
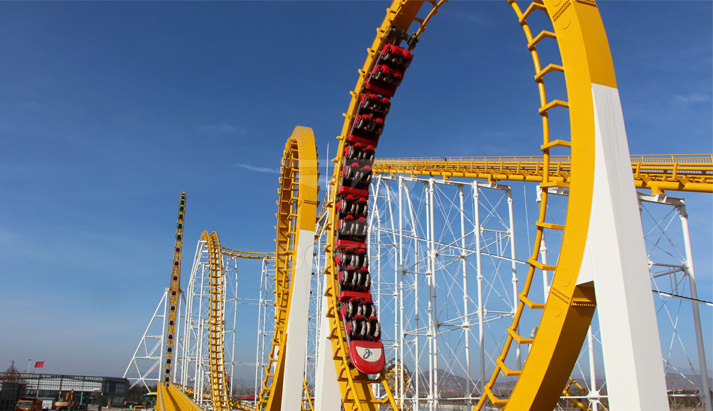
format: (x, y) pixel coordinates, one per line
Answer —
(479, 279)
(615, 259)
(466, 311)
(327, 395)
(705, 387)
(593, 392)
(298, 323)
(400, 285)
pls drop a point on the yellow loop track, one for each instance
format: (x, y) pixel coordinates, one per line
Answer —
(586, 61)
(297, 210)
(216, 329)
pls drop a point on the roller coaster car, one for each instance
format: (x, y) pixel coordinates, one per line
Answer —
(359, 151)
(367, 356)
(384, 80)
(356, 175)
(363, 335)
(354, 139)
(351, 278)
(353, 228)
(344, 191)
(353, 255)
(354, 205)
(396, 56)
(374, 104)
(366, 125)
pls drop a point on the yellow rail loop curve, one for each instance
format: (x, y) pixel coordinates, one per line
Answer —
(586, 63)
(220, 400)
(297, 212)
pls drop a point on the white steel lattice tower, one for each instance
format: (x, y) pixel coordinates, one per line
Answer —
(145, 365)
(193, 366)
(445, 279)
(445, 267)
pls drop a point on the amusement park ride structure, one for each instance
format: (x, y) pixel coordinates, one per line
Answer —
(601, 261)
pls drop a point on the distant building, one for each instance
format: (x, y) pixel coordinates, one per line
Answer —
(87, 389)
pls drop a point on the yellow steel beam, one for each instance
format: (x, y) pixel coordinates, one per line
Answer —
(174, 291)
(251, 255)
(657, 172)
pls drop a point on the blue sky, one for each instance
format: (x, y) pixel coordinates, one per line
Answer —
(109, 109)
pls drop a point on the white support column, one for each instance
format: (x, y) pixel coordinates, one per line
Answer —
(466, 311)
(593, 393)
(705, 387)
(199, 380)
(513, 268)
(327, 396)
(400, 287)
(615, 259)
(297, 330)
(260, 329)
(432, 306)
(416, 277)
(479, 278)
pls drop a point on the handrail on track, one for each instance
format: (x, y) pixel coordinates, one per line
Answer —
(251, 255)
(657, 172)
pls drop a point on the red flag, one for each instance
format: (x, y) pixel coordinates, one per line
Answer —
(40, 364)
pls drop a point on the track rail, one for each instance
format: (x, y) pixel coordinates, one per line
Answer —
(250, 255)
(216, 327)
(357, 350)
(296, 218)
(171, 398)
(658, 173)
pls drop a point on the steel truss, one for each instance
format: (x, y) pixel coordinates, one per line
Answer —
(668, 247)
(445, 279)
(443, 291)
(145, 365)
(193, 362)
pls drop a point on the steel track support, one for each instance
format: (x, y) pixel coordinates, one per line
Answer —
(687, 268)
(479, 282)
(468, 393)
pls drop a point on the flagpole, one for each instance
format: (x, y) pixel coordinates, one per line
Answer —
(29, 361)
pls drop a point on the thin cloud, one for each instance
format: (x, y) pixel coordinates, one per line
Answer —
(692, 98)
(222, 128)
(267, 170)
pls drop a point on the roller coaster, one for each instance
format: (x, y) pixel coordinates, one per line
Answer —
(600, 239)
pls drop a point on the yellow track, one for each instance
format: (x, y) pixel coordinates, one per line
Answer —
(251, 255)
(658, 173)
(216, 319)
(171, 398)
(579, 33)
(297, 210)
(355, 386)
